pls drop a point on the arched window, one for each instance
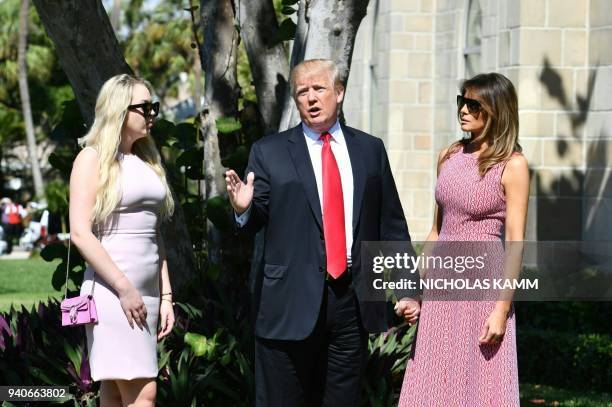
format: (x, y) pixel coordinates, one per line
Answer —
(473, 32)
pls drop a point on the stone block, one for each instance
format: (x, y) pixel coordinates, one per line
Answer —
(532, 150)
(537, 46)
(599, 47)
(418, 23)
(557, 88)
(532, 13)
(417, 119)
(599, 13)
(404, 5)
(422, 142)
(536, 124)
(563, 14)
(425, 92)
(419, 65)
(403, 91)
(562, 153)
(575, 47)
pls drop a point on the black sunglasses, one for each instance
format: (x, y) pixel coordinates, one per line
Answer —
(148, 109)
(473, 105)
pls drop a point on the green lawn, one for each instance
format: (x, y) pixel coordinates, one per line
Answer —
(25, 282)
(540, 395)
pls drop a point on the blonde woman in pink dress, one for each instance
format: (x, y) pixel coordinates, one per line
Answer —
(465, 351)
(118, 196)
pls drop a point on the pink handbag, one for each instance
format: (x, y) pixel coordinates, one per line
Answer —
(78, 310)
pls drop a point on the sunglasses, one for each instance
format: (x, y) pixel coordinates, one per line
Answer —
(473, 105)
(148, 109)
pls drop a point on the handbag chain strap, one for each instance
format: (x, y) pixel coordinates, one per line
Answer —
(68, 267)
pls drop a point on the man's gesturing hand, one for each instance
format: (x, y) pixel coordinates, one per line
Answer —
(240, 194)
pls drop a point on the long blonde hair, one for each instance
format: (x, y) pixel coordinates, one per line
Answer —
(497, 97)
(105, 137)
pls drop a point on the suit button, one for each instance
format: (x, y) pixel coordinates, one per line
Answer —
(321, 269)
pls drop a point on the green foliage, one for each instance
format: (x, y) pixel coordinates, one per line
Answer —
(36, 350)
(284, 9)
(11, 126)
(48, 83)
(226, 125)
(58, 250)
(218, 211)
(56, 192)
(286, 31)
(207, 360)
(70, 125)
(158, 46)
(546, 357)
(556, 338)
(388, 354)
(575, 316)
(245, 77)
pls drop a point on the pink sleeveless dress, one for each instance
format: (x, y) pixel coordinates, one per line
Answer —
(117, 351)
(448, 366)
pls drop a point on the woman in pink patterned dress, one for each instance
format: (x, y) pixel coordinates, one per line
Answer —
(465, 351)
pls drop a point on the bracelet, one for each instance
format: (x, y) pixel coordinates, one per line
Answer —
(168, 293)
(170, 301)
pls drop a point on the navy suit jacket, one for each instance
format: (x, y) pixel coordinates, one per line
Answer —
(290, 284)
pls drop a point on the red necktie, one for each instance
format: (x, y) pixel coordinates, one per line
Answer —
(333, 211)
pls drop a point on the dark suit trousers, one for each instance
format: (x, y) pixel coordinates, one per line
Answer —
(324, 369)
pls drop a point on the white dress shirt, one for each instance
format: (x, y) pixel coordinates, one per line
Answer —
(340, 150)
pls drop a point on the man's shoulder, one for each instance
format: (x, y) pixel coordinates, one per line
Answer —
(274, 139)
(363, 137)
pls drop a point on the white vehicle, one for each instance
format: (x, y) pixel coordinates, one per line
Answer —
(36, 230)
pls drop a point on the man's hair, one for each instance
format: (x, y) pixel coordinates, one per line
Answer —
(314, 65)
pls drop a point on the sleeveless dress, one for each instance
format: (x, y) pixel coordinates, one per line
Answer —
(117, 351)
(448, 366)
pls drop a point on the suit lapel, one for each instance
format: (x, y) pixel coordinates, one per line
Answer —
(356, 156)
(303, 166)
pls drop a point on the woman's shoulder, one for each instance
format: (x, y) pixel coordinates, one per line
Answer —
(445, 153)
(87, 156)
(448, 151)
(515, 166)
(517, 161)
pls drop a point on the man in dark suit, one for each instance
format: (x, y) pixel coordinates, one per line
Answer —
(320, 189)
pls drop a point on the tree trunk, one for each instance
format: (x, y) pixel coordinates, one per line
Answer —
(86, 46)
(269, 62)
(24, 93)
(89, 53)
(325, 29)
(197, 85)
(219, 56)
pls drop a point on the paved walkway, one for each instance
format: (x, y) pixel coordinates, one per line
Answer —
(17, 254)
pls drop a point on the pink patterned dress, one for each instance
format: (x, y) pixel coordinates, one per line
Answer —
(449, 367)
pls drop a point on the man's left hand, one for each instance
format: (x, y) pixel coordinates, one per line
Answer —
(409, 309)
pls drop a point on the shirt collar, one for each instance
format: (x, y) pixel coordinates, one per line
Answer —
(313, 136)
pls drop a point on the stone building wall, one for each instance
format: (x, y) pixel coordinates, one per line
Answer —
(408, 64)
